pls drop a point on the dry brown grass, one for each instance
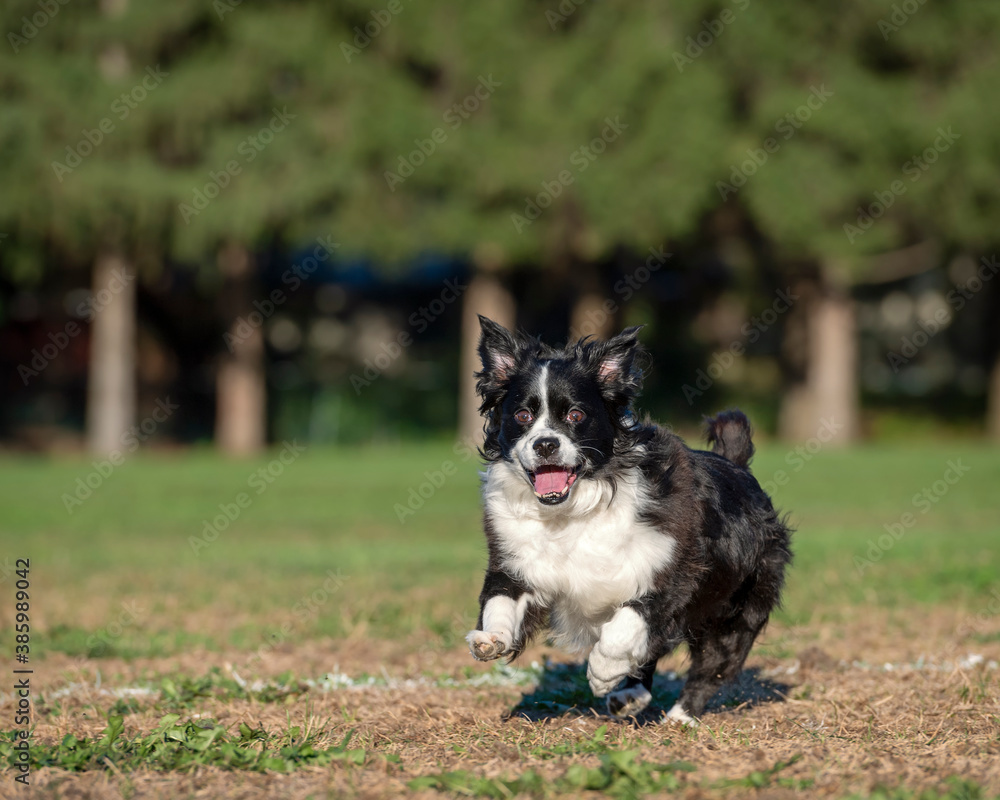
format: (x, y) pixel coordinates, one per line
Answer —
(854, 728)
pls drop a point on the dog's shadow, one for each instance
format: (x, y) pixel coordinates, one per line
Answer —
(563, 690)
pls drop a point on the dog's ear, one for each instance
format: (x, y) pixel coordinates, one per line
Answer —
(498, 349)
(616, 362)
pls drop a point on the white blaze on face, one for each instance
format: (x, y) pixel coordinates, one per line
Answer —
(540, 427)
(547, 481)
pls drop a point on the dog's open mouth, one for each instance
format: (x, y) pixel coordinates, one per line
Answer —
(552, 483)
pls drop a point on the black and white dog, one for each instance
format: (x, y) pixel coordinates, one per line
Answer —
(611, 531)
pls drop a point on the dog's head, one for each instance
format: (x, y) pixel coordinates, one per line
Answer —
(556, 416)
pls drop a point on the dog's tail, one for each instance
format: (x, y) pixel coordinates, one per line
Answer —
(729, 434)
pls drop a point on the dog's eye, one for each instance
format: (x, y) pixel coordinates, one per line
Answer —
(523, 416)
(575, 416)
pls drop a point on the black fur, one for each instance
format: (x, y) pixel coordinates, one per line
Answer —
(729, 433)
(731, 546)
(504, 377)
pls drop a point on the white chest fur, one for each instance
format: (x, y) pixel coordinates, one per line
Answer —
(583, 558)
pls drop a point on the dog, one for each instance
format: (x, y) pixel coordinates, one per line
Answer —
(613, 533)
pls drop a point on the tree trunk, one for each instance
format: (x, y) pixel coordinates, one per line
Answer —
(833, 368)
(590, 318)
(111, 386)
(594, 311)
(823, 404)
(241, 390)
(486, 295)
(993, 403)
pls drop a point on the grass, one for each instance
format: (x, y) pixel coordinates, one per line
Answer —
(620, 774)
(176, 744)
(335, 511)
(370, 560)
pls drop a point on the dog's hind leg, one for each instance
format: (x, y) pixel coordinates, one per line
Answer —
(719, 647)
(634, 694)
(717, 657)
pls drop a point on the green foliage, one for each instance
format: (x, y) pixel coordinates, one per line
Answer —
(760, 779)
(598, 743)
(691, 106)
(956, 789)
(186, 745)
(620, 774)
(183, 691)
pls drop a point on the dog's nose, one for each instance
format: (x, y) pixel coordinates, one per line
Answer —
(546, 446)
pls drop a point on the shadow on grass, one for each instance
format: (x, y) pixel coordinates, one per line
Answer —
(563, 690)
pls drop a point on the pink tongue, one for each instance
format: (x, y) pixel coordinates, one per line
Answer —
(551, 479)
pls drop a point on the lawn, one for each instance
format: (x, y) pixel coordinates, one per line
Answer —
(199, 627)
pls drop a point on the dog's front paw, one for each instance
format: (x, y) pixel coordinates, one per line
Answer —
(488, 646)
(628, 702)
(605, 673)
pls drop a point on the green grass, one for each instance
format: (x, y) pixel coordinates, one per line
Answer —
(957, 789)
(621, 773)
(335, 513)
(178, 745)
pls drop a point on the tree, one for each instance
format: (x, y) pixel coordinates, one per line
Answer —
(111, 391)
(87, 187)
(499, 133)
(863, 132)
(485, 295)
(517, 136)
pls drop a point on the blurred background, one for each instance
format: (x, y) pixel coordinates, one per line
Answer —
(231, 223)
